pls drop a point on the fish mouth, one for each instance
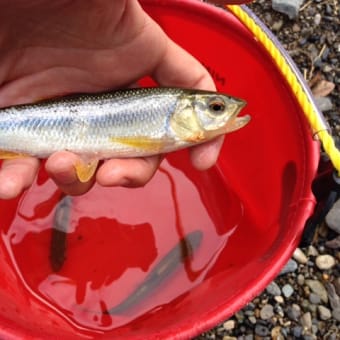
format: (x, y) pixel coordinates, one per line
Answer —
(240, 105)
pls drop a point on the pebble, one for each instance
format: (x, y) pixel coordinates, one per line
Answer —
(300, 279)
(229, 325)
(309, 337)
(294, 312)
(324, 313)
(333, 217)
(300, 256)
(249, 337)
(318, 288)
(276, 333)
(288, 7)
(277, 25)
(290, 267)
(306, 321)
(279, 299)
(273, 289)
(287, 290)
(325, 262)
(314, 298)
(334, 299)
(317, 19)
(336, 284)
(297, 331)
(336, 314)
(312, 251)
(333, 244)
(252, 319)
(324, 104)
(266, 312)
(261, 330)
(296, 28)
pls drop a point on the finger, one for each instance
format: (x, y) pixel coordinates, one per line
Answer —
(204, 156)
(61, 168)
(132, 172)
(178, 68)
(16, 175)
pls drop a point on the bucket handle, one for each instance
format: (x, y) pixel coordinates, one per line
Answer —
(294, 79)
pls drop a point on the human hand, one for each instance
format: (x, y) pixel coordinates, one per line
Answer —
(52, 48)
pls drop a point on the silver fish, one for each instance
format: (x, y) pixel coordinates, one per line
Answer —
(60, 229)
(125, 123)
(170, 262)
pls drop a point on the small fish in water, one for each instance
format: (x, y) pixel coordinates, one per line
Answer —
(171, 261)
(60, 229)
(126, 123)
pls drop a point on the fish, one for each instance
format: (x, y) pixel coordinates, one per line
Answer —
(60, 228)
(124, 123)
(181, 252)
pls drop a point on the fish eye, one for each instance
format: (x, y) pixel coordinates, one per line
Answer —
(216, 106)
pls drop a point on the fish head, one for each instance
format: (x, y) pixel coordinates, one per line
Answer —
(203, 115)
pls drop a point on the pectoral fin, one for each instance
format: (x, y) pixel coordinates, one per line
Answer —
(153, 145)
(11, 155)
(85, 169)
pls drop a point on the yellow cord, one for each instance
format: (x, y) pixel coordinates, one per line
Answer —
(307, 106)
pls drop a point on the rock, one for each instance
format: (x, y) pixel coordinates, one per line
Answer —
(229, 325)
(277, 25)
(309, 337)
(336, 314)
(336, 284)
(252, 319)
(324, 104)
(306, 321)
(318, 288)
(324, 313)
(287, 290)
(333, 244)
(261, 330)
(299, 256)
(296, 28)
(279, 299)
(276, 333)
(266, 312)
(288, 7)
(312, 251)
(333, 217)
(300, 279)
(290, 267)
(249, 337)
(278, 310)
(273, 289)
(294, 312)
(314, 298)
(297, 331)
(317, 19)
(334, 299)
(325, 262)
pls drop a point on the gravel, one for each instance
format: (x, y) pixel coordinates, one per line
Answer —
(303, 302)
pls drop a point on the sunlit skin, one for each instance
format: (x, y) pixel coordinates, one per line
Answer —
(51, 48)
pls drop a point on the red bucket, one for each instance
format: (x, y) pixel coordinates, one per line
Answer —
(242, 219)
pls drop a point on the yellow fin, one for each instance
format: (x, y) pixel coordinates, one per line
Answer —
(85, 170)
(144, 143)
(11, 155)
